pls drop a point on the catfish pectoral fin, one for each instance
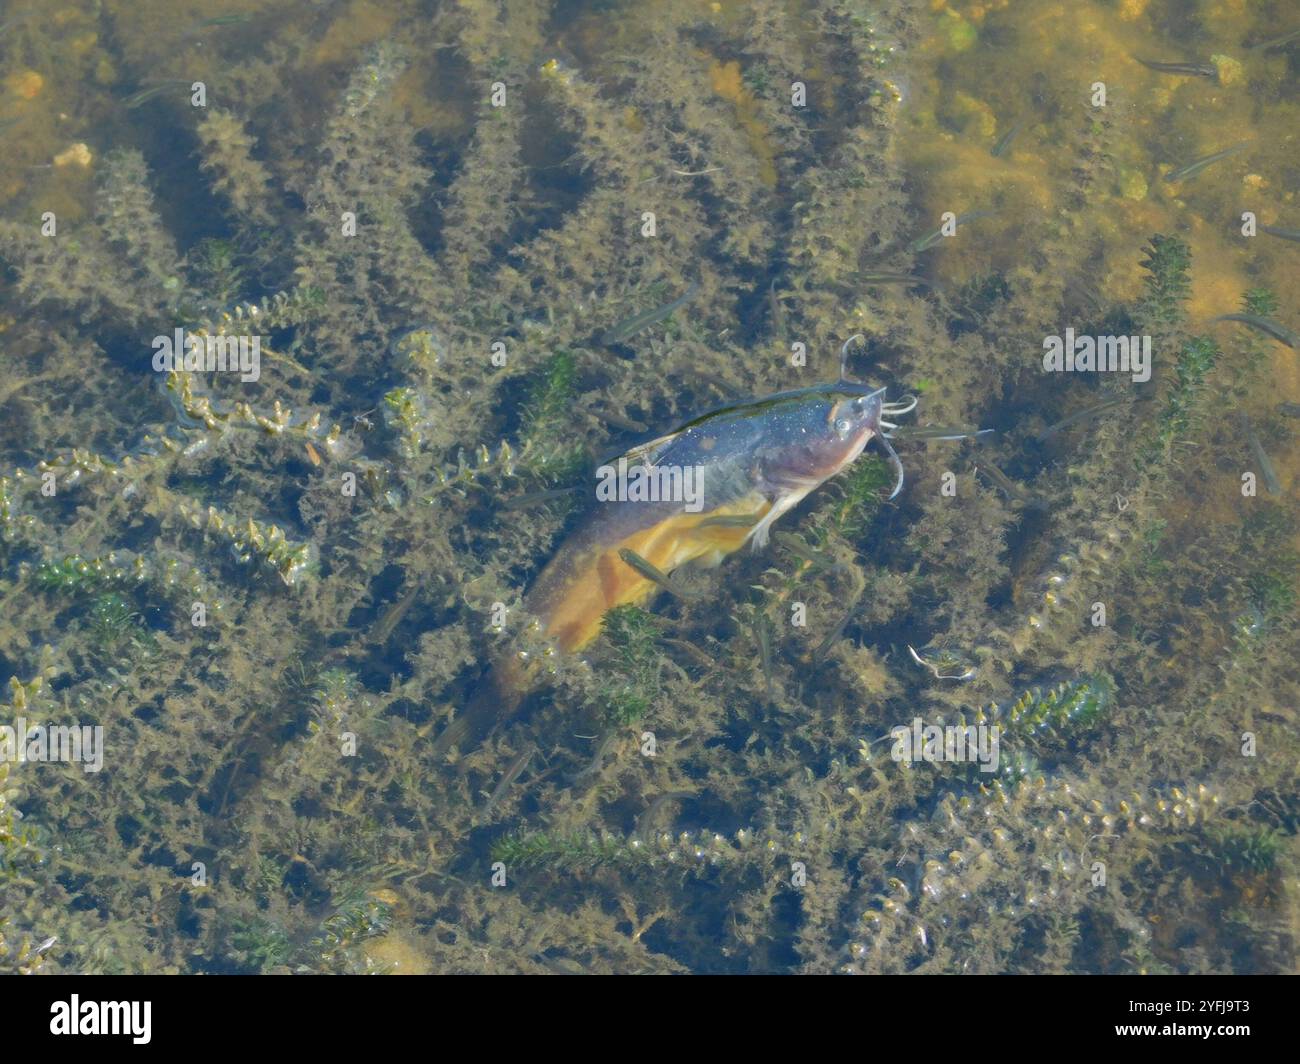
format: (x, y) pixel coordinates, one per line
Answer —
(495, 700)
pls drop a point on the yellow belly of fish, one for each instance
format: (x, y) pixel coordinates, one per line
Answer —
(603, 580)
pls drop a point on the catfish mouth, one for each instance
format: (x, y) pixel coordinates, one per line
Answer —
(870, 427)
(876, 426)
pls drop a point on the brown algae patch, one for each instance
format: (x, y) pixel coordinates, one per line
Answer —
(726, 81)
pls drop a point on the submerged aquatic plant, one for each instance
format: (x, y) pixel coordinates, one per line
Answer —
(547, 409)
(1254, 850)
(1068, 705)
(326, 559)
(631, 690)
(1168, 266)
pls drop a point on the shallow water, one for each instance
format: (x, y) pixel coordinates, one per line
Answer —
(272, 587)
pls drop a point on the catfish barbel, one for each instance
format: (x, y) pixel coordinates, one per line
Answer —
(753, 461)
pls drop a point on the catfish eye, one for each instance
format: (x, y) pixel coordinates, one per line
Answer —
(859, 405)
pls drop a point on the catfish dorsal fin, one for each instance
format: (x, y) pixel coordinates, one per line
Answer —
(648, 453)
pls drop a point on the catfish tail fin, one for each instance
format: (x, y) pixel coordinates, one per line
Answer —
(494, 701)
